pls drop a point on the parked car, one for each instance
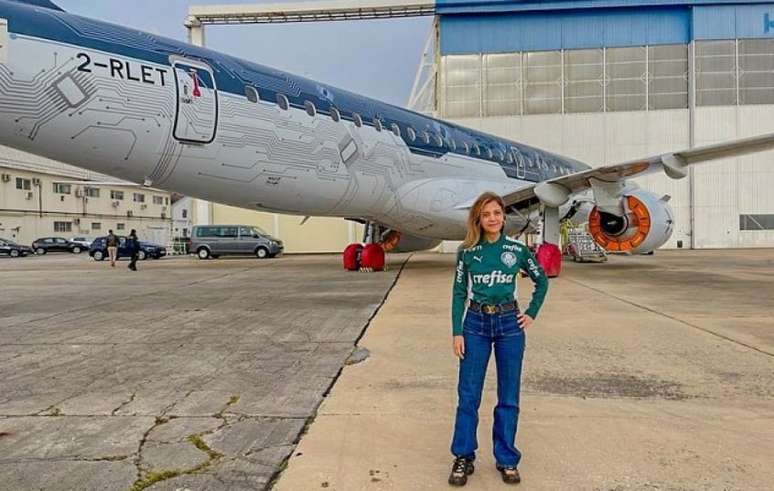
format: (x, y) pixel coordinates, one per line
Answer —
(13, 249)
(98, 249)
(56, 244)
(85, 242)
(217, 240)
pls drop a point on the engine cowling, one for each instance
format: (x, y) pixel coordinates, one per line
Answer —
(646, 224)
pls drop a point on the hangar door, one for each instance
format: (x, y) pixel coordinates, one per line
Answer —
(197, 102)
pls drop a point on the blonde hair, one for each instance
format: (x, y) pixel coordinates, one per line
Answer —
(473, 234)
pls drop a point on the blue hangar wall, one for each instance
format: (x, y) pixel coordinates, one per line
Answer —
(471, 26)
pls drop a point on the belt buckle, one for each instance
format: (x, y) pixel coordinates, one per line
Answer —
(489, 309)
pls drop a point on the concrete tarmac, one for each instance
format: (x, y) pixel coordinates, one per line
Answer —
(188, 374)
(643, 373)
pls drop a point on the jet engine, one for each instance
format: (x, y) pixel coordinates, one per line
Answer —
(645, 225)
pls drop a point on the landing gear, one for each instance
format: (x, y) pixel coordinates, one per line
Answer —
(368, 257)
(548, 253)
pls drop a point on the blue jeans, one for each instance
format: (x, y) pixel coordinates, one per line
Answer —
(480, 332)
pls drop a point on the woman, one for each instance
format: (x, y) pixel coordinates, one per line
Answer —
(488, 263)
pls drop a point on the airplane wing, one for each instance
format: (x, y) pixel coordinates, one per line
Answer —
(673, 164)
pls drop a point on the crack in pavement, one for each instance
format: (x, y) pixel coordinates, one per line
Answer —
(123, 404)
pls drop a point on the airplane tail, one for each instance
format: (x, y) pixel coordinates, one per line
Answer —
(48, 4)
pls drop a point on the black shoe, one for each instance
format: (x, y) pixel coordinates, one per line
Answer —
(510, 474)
(461, 469)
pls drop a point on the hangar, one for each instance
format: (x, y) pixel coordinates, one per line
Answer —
(606, 81)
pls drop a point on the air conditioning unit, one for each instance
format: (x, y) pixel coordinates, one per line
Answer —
(35, 181)
(30, 195)
(116, 204)
(6, 177)
(76, 221)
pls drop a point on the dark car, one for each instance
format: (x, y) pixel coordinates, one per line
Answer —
(56, 244)
(13, 249)
(98, 249)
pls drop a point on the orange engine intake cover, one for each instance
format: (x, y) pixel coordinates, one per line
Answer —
(639, 227)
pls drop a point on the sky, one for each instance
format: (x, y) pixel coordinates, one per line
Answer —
(376, 58)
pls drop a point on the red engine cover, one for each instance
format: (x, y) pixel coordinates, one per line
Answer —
(372, 257)
(550, 258)
(352, 256)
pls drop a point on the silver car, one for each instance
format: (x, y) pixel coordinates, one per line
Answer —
(213, 241)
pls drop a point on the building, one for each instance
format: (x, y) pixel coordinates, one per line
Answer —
(606, 81)
(42, 198)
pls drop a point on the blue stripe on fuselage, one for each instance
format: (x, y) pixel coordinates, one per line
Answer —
(233, 74)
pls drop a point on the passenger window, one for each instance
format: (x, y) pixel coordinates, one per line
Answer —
(283, 102)
(499, 155)
(358, 120)
(488, 153)
(377, 124)
(411, 134)
(508, 157)
(246, 232)
(251, 93)
(476, 150)
(310, 109)
(452, 144)
(437, 140)
(335, 114)
(228, 232)
(426, 137)
(466, 147)
(396, 129)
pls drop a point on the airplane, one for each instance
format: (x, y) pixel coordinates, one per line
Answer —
(163, 113)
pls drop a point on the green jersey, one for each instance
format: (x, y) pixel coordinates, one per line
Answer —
(486, 273)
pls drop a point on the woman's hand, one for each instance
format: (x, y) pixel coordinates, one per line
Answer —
(458, 344)
(524, 320)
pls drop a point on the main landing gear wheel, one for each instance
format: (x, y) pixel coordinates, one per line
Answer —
(358, 257)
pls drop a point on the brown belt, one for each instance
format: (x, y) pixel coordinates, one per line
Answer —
(493, 309)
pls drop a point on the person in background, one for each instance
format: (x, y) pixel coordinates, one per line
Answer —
(112, 247)
(133, 244)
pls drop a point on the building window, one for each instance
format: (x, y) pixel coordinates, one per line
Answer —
(668, 77)
(461, 96)
(626, 79)
(716, 73)
(158, 200)
(502, 89)
(91, 192)
(543, 84)
(138, 198)
(24, 184)
(166, 200)
(185, 213)
(116, 195)
(120, 226)
(251, 93)
(756, 71)
(310, 109)
(335, 114)
(96, 226)
(584, 73)
(60, 188)
(61, 227)
(756, 222)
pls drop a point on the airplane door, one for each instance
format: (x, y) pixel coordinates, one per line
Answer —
(197, 102)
